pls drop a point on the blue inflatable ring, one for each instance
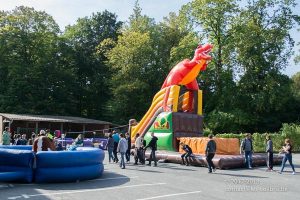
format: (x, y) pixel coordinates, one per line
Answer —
(16, 165)
(67, 166)
(50, 166)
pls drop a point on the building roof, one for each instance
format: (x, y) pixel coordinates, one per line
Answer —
(52, 118)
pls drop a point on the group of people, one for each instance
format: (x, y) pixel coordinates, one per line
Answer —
(247, 149)
(44, 141)
(210, 151)
(121, 143)
(16, 139)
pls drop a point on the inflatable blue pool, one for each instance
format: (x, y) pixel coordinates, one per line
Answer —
(16, 165)
(18, 147)
(50, 166)
(67, 166)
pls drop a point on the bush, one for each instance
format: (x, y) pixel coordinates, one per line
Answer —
(291, 131)
(206, 132)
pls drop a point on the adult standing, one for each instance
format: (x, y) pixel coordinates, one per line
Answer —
(153, 145)
(269, 150)
(122, 148)
(287, 150)
(6, 136)
(247, 148)
(110, 147)
(127, 155)
(210, 151)
(138, 144)
(116, 138)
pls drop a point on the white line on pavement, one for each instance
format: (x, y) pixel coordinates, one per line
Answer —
(25, 196)
(90, 190)
(170, 195)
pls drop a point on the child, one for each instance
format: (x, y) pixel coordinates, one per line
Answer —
(187, 154)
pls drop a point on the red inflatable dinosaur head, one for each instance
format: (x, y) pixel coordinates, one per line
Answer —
(201, 53)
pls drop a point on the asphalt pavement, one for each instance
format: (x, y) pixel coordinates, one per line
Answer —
(167, 181)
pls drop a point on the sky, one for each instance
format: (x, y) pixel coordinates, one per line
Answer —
(66, 12)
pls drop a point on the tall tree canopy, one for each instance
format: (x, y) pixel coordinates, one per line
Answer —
(31, 80)
(92, 75)
(141, 60)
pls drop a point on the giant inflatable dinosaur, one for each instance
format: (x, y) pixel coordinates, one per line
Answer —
(186, 72)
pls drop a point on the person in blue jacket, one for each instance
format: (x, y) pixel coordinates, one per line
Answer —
(116, 138)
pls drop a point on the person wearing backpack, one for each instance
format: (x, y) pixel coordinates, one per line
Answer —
(247, 149)
(210, 151)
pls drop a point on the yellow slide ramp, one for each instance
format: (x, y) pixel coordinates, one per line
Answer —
(157, 103)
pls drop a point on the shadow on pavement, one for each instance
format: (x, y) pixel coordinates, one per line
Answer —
(25, 191)
(175, 168)
(145, 170)
(108, 179)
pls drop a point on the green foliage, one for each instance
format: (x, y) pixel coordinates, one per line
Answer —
(206, 132)
(92, 75)
(140, 60)
(32, 80)
(296, 85)
(263, 46)
(251, 46)
(234, 121)
(291, 131)
(102, 68)
(43, 72)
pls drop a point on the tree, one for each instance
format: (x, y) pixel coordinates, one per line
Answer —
(141, 61)
(213, 21)
(32, 80)
(263, 47)
(92, 75)
(296, 94)
(296, 85)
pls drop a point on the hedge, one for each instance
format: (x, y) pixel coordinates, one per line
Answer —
(291, 131)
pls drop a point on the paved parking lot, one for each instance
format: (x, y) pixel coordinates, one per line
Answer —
(167, 181)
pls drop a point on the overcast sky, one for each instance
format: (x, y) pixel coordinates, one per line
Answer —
(66, 12)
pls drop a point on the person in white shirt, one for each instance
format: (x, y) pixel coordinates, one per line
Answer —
(138, 149)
